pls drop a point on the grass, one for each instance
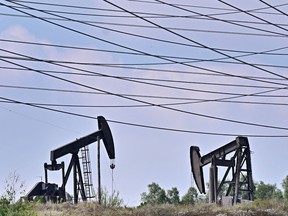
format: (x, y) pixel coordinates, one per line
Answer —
(257, 208)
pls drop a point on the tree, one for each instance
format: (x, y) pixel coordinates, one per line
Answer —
(267, 191)
(156, 195)
(285, 187)
(190, 197)
(173, 196)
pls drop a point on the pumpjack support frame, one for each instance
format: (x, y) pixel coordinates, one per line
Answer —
(239, 165)
(73, 148)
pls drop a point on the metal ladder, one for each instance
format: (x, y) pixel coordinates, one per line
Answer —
(87, 173)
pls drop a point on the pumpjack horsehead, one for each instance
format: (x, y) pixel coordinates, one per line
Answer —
(239, 165)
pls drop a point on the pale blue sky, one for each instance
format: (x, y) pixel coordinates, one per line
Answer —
(169, 55)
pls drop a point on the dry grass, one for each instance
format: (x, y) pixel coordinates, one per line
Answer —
(257, 208)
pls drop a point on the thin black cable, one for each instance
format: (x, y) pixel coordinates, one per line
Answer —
(153, 104)
(159, 40)
(193, 41)
(246, 53)
(152, 15)
(153, 27)
(122, 46)
(173, 42)
(166, 104)
(173, 28)
(148, 54)
(178, 103)
(146, 96)
(118, 77)
(141, 125)
(274, 7)
(257, 10)
(80, 105)
(149, 69)
(192, 60)
(132, 80)
(232, 22)
(109, 42)
(165, 15)
(92, 92)
(250, 14)
(151, 79)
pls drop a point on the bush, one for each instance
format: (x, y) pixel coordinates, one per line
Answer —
(8, 205)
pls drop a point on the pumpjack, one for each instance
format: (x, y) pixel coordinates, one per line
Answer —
(54, 193)
(239, 166)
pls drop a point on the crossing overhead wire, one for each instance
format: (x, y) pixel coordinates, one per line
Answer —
(274, 8)
(38, 17)
(114, 77)
(142, 125)
(191, 60)
(232, 22)
(245, 53)
(165, 15)
(172, 28)
(151, 79)
(123, 79)
(153, 27)
(132, 49)
(144, 69)
(142, 82)
(252, 15)
(254, 125)
(152, 104)
(259, 10)
(189, 99)
(93, 92)
(165, 41)
(79, 105)
(47, 11)
(196, 42)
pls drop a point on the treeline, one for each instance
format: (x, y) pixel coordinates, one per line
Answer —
(157, 195)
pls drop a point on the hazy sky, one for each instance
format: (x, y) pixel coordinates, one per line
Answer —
(166, 75)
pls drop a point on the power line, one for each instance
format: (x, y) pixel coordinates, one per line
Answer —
(186, 38)
(250, 14)
(121, 78)
(153, 104)
(245, 53)
(152, 79)
(256, 10)
(125, 47)
(141, 125)
(152, 27)
(189, 99)
(175, 110)
(212, 17)
(192, 60)
(274, 8)
(117, 77)
(172, 28)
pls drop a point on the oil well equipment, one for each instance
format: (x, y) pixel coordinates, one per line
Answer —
(238, 169)
(82, 180)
